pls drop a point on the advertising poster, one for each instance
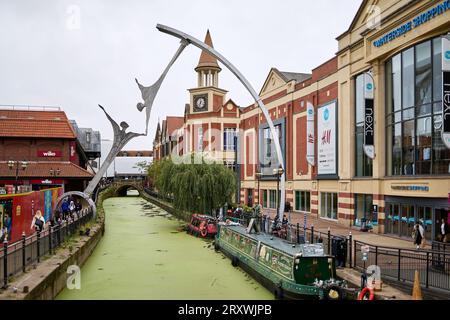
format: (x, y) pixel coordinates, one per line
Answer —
(327, 139)
(47, 204)
(310, 157)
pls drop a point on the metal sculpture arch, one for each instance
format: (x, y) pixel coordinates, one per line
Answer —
(199, 44)
(81, 195)
(121, 137)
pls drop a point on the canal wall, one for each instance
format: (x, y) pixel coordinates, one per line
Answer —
(45, 280)
(182, 215)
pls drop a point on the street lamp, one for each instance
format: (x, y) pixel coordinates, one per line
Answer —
(16, 165)
(278, 172)
(258, 175)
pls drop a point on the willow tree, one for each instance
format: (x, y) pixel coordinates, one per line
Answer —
(195, 185)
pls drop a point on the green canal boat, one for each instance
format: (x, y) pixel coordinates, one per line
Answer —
(290, 271)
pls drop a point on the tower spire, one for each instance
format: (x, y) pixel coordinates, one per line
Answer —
(208, 69)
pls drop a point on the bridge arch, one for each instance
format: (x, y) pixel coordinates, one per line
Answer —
(79, 194)
(120, 187)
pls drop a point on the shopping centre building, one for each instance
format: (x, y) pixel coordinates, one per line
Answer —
(391, 56)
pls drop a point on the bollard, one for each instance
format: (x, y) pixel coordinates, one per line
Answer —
(329, 241)
(5, 264)
(50, 241)
(312, 234)
(38, 246)
(24, 260)
(349, 249)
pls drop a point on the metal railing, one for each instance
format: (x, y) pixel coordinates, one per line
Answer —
(16, 257)
(440, 246)
(400, 264)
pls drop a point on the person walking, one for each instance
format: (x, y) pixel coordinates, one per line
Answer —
(65, 208)
(38, 222)
(444, 232)
(419, 233)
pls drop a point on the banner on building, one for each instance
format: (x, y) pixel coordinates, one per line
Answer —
(369, 121)
(327, 139)
(446, 90)
(310, 146)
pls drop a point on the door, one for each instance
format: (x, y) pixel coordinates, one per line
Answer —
(425, 215)
(396, 219)
(407, 220)
(439, 215)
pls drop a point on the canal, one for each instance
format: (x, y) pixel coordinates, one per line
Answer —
(145, 254)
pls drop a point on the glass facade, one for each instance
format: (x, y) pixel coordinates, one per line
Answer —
(272, 199)
(364, 210)
(303, 201)
(414, 112)
(363, 164)
(329, 205)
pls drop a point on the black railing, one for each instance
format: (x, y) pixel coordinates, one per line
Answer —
(400, 264)
(440, 246)
(16, 257)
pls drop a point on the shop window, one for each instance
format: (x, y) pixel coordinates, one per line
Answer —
(328, 205)
(363, 163)
(414, 112)
(200, 140)
(303, 201)
(364, 210)
(267, 153)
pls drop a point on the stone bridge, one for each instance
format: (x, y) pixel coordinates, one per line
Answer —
(121, 186)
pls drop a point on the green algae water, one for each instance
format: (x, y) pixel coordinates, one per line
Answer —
(144, 254)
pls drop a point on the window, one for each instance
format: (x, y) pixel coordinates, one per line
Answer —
(267, 153)
(200, 140)
(88, 137)
(328, 205)
(229, 143)
(303, 201)
(273, 199)
(414, 112)
(363, 162)
(364, 209)
(264, 204)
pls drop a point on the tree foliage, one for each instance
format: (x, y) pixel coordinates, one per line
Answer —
(199, 185)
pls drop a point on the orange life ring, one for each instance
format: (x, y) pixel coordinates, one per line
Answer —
(363, 293)
(203, 229)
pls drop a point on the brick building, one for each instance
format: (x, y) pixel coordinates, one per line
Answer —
(393, 50)
(47, 143)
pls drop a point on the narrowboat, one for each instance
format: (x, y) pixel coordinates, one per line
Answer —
(290, 271)
(202, 225)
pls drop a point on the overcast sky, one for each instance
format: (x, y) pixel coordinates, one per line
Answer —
(78, 54)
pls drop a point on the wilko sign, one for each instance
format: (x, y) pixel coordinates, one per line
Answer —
(310, 153)
(49, 153)
(369, 122)
(446, 90)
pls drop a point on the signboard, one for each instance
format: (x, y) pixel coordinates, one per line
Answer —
(419, 20)
(47, 181)
(327, 139)
(49, 153)
(446, 90)
(310, 146)
(369, 120)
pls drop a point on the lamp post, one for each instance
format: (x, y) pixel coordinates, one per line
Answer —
(16, 165)
(278, 172)
(258, 175)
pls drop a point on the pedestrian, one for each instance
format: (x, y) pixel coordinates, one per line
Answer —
(418, 234)
(444, 234)
(72, 206)
(65, 208)
(38, 222)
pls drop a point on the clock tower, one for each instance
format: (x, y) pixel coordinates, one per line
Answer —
(207, 97)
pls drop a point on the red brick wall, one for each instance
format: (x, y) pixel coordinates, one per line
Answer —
(27, 149)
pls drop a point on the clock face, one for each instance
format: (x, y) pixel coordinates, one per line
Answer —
(200, 103)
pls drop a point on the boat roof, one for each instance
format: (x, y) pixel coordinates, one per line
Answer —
(306, 250)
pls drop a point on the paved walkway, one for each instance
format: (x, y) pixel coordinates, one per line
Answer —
(322, 225)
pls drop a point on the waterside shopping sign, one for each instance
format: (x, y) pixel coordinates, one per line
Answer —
(414, 23)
